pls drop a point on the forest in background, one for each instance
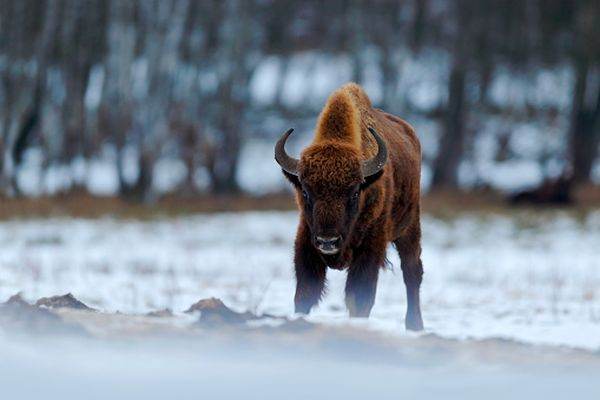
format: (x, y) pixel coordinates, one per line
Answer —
(135, 82)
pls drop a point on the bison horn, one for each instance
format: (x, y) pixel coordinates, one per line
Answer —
(375, 164)
(287, 163)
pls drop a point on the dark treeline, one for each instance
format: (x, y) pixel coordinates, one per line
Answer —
(155, 77)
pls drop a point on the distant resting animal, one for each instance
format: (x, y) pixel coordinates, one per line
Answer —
(357, 188)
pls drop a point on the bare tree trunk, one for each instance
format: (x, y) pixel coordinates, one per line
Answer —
(3, 184)
(226, 162)
(24, 93)
(190, 152)
(115, 114)
(27, 126)
(445, 173)
(584, 131)
(420, 8)
(141, 188)
(355, 26)
(79, 33)
(390, 72)
(165, 22)
(386, 38)
(452, 143)
(585, 123)
(237, 65)
(284, 67)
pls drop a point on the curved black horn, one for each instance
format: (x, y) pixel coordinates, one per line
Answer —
(287, 163)
(375, 164)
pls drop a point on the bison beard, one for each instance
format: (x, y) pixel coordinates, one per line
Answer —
(358, 189)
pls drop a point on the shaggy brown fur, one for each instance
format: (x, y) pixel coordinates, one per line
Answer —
(336, 201)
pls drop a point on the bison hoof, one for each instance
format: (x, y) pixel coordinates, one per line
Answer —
(302, 309)
(414, 324)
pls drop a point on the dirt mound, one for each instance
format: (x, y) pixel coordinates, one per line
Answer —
(18, 316)
(557, 191)
(213, 312)
(164, 313)
(64, 301)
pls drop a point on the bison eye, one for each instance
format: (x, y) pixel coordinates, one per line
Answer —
(305, 195)
(353, 202)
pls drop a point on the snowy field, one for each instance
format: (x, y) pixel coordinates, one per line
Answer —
(533, 277)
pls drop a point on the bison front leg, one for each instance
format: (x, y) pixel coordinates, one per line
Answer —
(361, 284)
(361, 287)
(310, 274)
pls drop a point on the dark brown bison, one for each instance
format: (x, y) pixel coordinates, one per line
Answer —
(358, 188)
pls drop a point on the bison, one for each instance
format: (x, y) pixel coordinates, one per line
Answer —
(357, 188)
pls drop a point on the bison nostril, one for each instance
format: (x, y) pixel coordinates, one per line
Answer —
(332, 241)
(328, 245)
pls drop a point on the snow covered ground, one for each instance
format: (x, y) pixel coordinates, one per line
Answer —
(534, 277)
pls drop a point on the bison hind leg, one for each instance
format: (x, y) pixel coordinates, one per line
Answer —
(409, 249)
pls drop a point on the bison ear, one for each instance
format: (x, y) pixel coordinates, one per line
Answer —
(293, 179)
(369, 180)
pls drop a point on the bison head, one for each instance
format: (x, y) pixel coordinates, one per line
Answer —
(330, 177)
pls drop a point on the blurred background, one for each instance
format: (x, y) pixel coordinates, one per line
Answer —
(140, 99)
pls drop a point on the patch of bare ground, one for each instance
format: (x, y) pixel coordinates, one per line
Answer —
(64, 301)
(212, 325)
(83, 205)
(19, 317)
(450, 202)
